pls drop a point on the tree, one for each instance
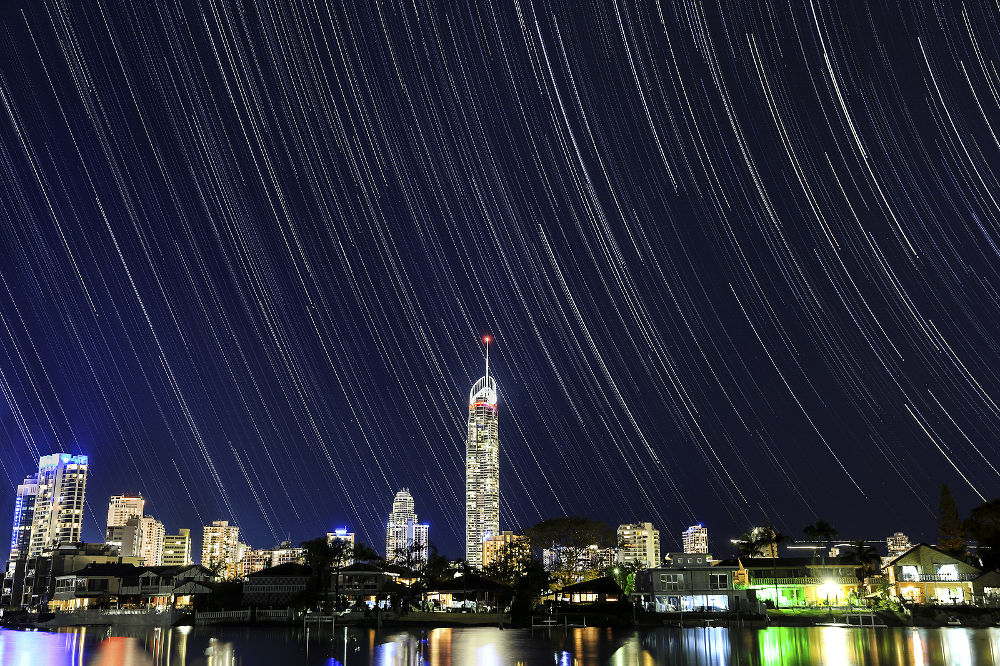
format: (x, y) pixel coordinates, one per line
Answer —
(570, 541)
(951, 536)
(821, 532)
(983, 525)
(328, 559)
(869, 561)
(758, 542)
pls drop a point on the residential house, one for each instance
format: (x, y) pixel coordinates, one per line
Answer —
(800, 581)
(693, 582)
(925, 574)
(274, 587)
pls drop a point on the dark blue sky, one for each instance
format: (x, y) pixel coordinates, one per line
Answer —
(740, 259)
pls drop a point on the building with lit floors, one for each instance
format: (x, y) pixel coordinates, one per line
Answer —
(482, 466)
(406, 540)
(220, 547)
(514, 547)
(48, 509)
(695, 539)
(24, 515)
(151, 547)
(897, 544)
(177, 549)
(121, 509)
(638, 545)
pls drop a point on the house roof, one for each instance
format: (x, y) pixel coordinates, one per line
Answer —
(468, 583)
(605, 585)
(362, 567)
(108, 569)
(927, 545)
(289, 569)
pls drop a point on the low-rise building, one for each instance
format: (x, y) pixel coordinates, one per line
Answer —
(362, 582)
(30, 582)
(925, 574)
(125, 584)
(694, 582)
(801, 581)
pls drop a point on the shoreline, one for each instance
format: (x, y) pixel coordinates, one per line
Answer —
(919, 617)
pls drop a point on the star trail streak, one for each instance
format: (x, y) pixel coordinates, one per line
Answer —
(740, 259)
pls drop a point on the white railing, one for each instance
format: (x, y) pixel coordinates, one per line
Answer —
(213, 617)
(274, 614)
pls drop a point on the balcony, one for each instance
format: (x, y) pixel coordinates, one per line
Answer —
(802, 581)
(937, 578)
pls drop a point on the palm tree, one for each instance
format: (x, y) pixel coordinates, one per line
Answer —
(869, 561)
(821, 532)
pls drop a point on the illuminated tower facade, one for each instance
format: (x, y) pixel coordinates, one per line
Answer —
(695, 539)
(121, 509)
(482, 467)
(24, 516)
(58, 512)
(405, 539)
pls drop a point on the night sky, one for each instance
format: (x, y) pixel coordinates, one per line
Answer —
(741, 260)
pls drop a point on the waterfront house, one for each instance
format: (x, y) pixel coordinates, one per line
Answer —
(466, 591)
(275, 587)
(595, 591)
(800, 581)
(93, 585)
(693, 582)
(362, 582)
(925, 574)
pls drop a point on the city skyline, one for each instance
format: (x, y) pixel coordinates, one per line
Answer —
(740, 265)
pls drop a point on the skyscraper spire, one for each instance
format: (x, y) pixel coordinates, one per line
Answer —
(487, 339)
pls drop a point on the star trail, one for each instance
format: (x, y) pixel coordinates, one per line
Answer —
(739, 259)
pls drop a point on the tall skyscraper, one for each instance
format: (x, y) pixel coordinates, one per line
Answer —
(24, 516)
(482, 466)
(695, 539)
(177, 549)
(405, 538)
(151, 548)
(639, 545)
(220, 546)
(48, 510)
(121, 509)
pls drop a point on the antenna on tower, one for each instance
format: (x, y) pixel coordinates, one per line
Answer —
(487, 339)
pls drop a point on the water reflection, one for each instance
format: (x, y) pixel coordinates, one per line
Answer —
(776, 646)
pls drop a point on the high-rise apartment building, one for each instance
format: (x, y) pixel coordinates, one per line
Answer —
(24, 516)
(131, 537)
(695, 539)
(482, 467)
(177, 549)
(898, 544)
(151, 548)
(121, 509)
(512, 546)
(639, 545)
(406, 540)
(220, 546)
(48, 510)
